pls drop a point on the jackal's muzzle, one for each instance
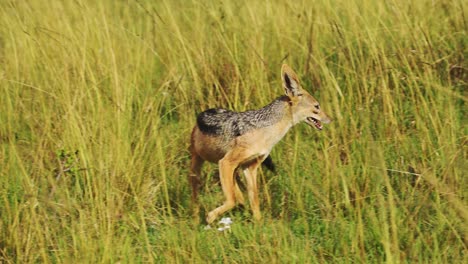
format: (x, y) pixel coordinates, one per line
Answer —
(314, 122)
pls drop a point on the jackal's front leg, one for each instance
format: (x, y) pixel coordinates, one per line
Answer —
(252, 188)
(226, 175)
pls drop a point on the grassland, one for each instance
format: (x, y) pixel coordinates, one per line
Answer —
(97, 100)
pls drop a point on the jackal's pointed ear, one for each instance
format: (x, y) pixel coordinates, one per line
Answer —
(291, 83)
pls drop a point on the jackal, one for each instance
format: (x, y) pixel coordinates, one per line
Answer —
(244, 140)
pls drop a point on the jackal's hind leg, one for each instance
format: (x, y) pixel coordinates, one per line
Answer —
(196, 164)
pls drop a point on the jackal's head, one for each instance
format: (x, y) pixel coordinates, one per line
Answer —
(304, 106)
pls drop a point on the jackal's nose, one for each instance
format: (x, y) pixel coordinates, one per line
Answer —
(326, 120)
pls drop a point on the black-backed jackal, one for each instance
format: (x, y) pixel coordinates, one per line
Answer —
(244, 140)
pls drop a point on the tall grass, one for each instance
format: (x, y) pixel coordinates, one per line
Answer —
(98, 99)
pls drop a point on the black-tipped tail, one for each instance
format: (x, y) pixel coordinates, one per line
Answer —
(268, 163)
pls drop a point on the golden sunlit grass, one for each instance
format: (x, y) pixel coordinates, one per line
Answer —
(98, 99)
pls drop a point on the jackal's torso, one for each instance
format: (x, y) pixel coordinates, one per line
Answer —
(219, 130)
(230, 124)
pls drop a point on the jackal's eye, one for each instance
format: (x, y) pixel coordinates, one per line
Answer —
(317, 107)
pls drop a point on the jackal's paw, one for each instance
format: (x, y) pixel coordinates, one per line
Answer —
(211, 217)
(257, 216)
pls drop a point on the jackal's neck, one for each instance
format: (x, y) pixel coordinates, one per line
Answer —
(272, 113)
(279, 112)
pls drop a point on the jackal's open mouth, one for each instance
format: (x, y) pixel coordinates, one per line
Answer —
(315, 122)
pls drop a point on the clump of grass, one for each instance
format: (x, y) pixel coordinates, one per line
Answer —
(98, 100)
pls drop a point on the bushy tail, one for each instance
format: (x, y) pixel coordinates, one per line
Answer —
(268, 163)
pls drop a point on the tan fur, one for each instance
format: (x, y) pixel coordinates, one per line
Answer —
(247, 151)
